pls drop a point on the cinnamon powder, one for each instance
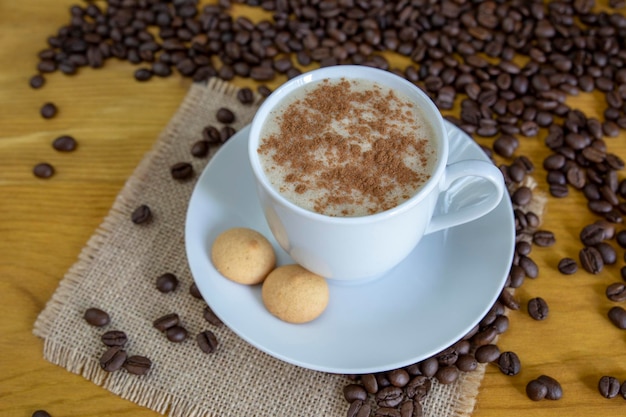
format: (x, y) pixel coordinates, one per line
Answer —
(345, 150)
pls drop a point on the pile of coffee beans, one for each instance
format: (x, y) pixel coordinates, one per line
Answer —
(115, 357)
(509, 67)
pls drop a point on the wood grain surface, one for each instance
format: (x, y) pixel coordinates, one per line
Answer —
(44, 223)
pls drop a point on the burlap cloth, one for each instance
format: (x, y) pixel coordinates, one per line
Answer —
(117, 269)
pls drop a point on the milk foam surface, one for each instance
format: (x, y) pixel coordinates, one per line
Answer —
(347, 147)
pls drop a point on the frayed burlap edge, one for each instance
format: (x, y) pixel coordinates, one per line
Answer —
(460, 397)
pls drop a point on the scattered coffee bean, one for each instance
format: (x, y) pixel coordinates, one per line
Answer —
(620, 238)
(398, 377)
(538, 308)
(96, 317)
(487, 353)
(114, 338)
(370, 383)
(543, 238)
(210, 316)
(617, 315)
(43, 170)
(622, 390)
(141, 214)
(509, 363)
(591, 260)
(64, 143)
(359, 409)
(181, 171)
(555, 391)
(389, 396)
(447, 374)
(226, 133)
(609, 386)
(195, 292)
(616, 292)
(225, 115)
(165, 322)
(567, 266)
(354, 392)
(200, 149)
(211, 134)
(176, 334)
(245, 96)
(48, 110)
(37, 81)
(143, 74)
(166, 282)
(41, 413)
(137, 365)
(113, 359)
(536, 390)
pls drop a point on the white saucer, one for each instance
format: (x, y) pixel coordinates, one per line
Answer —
(425, 304)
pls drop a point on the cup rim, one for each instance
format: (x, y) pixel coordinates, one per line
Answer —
(350, 72)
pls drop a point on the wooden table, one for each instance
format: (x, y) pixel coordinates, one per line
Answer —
(45, 222)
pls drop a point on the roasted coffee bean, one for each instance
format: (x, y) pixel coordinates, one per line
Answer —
(509, 300)
(620, 238)
(609, 386)
(195, 292)
(617, 315)
(211, 134)
(176, 334)
(141, 214)
(96, 317)
(370, 383)
(543, 238)
(64, 143)
(359, 409)
(487, 353)
(143, 74)
(555, 391)
(591, 260)
(567, 266)
(538, 308)
(166, 282)
(398, 377)
(622, 390)
(609, 255)
(206, 340)
(389, 397)
(522, 196)
(225, 115)
(41, 413)
(113, 359)
(114, 338)
(245, 96)
(210, 316)
(43, 170)
(226, 132)
(137, 365)
(353, 392)
(485, 336)
(509, 363)
(200, 148)
(466, 363)
(48, 110)
(536, 390)
(429, 366)
(181, 171)
(165, 322)
(447, 374)
(592, 234)
(529, 266)
(418, 387)
(523, 248)
(37, 81)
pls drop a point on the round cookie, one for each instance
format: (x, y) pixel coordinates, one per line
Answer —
(243, 255)
(294, 294)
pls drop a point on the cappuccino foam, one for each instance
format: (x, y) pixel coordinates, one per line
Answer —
(347, 147)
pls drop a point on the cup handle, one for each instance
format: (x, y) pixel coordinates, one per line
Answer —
(462, 169)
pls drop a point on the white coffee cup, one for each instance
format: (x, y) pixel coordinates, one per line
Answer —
(359, 248)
